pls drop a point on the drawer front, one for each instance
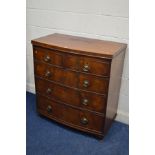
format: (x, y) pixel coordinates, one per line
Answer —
(48, 56)
(92, 83)
(55, 74)
(70, 96)
(94, 66)
(69, 115)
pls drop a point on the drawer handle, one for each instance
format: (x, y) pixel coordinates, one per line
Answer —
(47, 74)
(85, 101)
(86, 83)
(84, 121)
(48, 91)
(49, 109)
(47, 58)
(86, 68)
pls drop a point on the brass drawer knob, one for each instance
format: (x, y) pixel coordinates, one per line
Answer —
(47, 74)
(49, 109)
(86, 68)
(48, 91)
(47, 58)
(84, 121)
(85, 83)
(85, 101)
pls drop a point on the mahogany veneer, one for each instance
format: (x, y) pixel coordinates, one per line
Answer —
(78, 80)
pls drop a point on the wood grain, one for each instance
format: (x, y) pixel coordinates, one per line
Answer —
(77, 81)
(55, 58)
(70, 96)
(80, 45)
(114, 89)
(70, 115)
(72, 79)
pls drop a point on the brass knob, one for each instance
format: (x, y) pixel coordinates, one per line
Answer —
(85, 101)
(84, 121)
(47, 74)
(86, 68)
(47, 58)
(48, 91)
(86, 83)
(49, 109)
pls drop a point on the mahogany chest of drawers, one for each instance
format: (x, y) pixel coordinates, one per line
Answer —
(77, 81)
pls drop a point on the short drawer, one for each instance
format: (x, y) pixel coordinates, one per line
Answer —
(48, 56)
(56, 74)
(68, 115)
(70, 96)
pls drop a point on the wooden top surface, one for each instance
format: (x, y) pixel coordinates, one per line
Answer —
(81, 45)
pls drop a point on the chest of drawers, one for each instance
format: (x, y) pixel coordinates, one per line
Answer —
(77, 81)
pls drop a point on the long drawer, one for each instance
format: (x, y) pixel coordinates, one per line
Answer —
(48, 56)
(70, 96)
(68, 115)
(71, 78)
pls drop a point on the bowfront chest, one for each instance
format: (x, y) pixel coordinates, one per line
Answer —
(77, 81)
